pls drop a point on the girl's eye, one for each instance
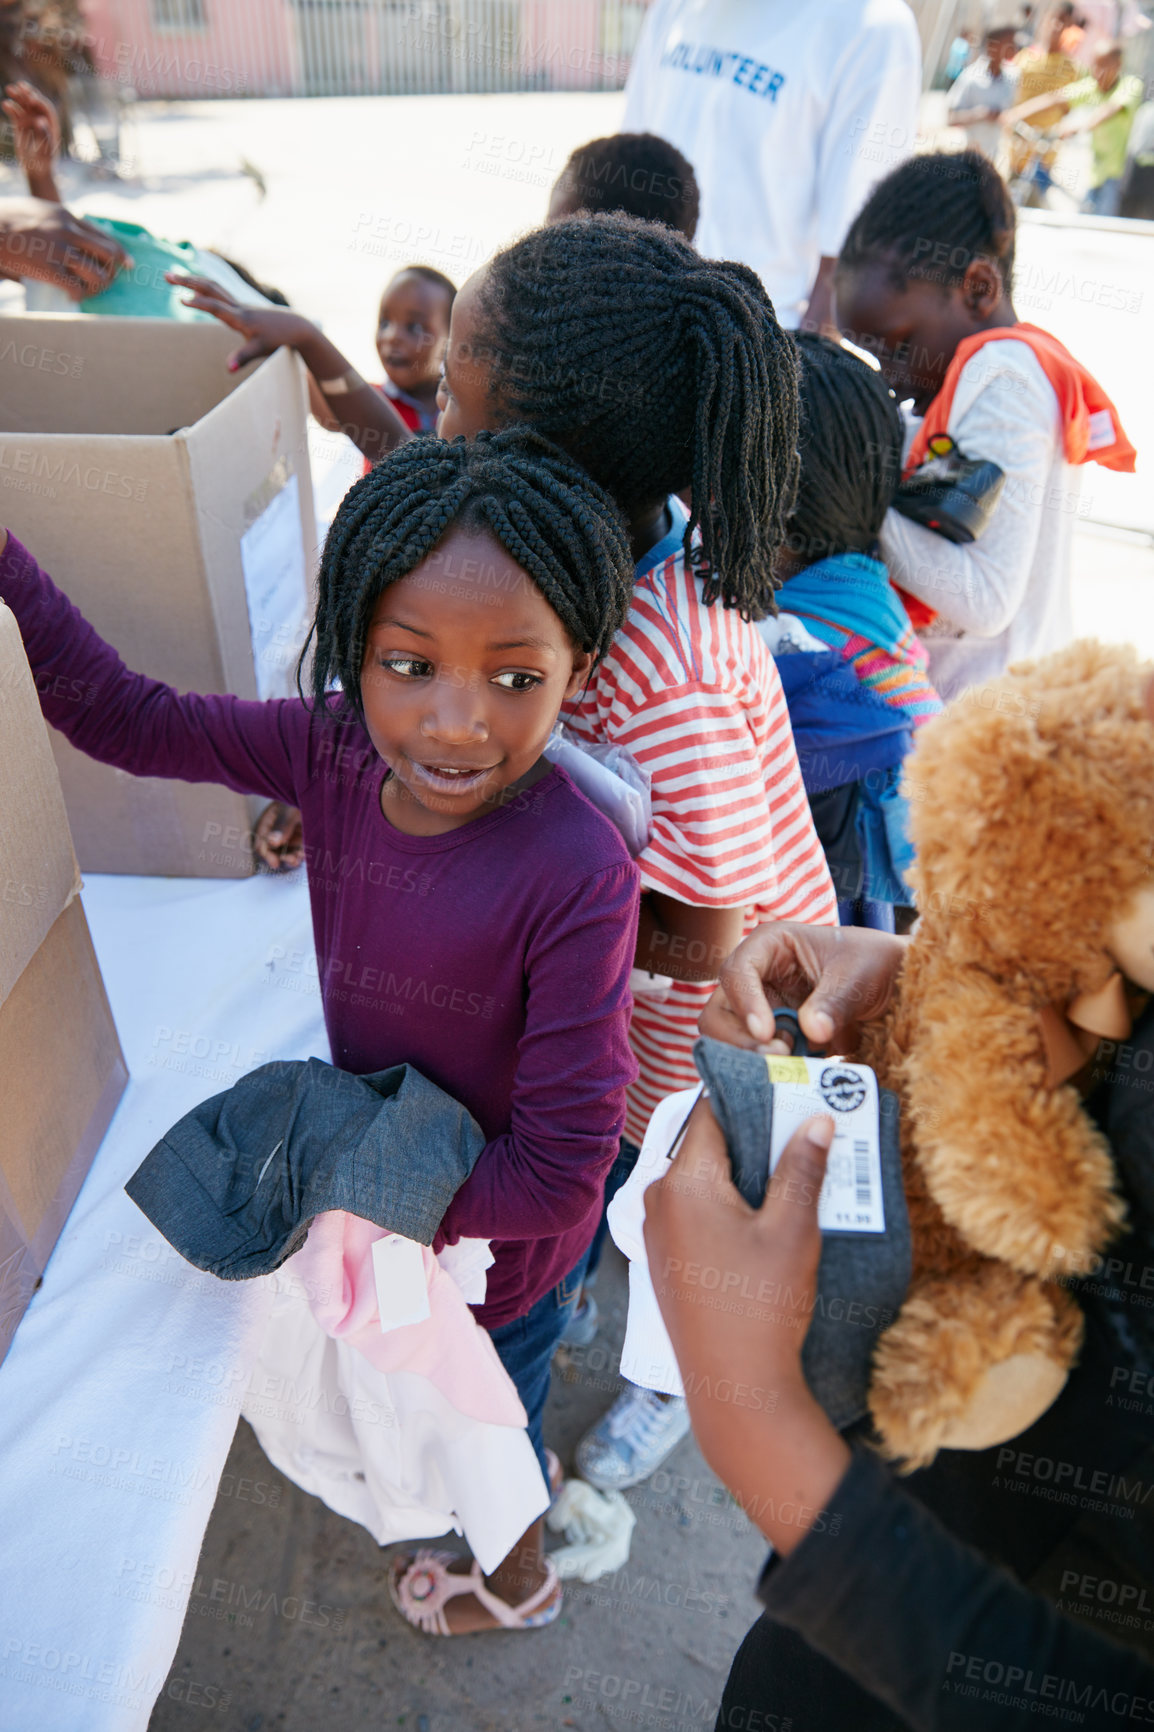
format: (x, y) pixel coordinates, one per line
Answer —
(517, 682)
(407, 667)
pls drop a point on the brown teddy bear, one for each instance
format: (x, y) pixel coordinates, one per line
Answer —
(1032, 813)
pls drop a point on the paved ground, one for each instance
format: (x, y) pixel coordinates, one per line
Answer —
(325, 199)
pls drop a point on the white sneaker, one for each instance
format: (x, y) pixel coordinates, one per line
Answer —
(632, 1440)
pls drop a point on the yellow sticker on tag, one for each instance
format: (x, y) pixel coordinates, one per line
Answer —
(787, 1070)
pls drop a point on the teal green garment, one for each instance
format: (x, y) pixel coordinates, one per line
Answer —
(141, 292)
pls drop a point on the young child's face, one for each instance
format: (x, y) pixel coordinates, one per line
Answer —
(463, 396)
(465, 671)
(412, 328)
(911, 330)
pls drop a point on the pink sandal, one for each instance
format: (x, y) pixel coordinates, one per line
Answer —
(420, 1586)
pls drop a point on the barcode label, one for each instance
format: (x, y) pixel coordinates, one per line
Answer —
(851, 1197)
(861, 1173)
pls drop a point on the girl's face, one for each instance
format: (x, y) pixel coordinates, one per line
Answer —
(911, 330)
(465, 671)
(463, 396)
(412, 328)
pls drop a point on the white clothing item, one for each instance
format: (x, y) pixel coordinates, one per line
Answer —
(976, 87)
(468, 1262)
(1007, 595)
(785, 634)
(598, 1527)
(389, 1451)
(789, 113)
(647, 1356)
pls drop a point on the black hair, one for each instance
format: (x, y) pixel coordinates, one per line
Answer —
(276, 296)
(657, 370)
(851, 452)
(427, 274)
(563, 530)
(931, 217)
(637, 174)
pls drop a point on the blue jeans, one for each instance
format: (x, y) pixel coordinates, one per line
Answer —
(526, 1346)
(1103, 200)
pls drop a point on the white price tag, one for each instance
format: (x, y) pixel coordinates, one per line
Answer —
(402, 1289)
(851, 1197)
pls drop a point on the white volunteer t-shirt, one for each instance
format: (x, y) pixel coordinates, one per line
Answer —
(789, 111)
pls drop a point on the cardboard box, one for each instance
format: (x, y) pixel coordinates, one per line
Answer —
(172, 502)
(60, 1060)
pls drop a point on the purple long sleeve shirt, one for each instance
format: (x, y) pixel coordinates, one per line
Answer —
(495, 958)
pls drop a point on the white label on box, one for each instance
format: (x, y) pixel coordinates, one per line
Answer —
(851, 1197)
(272, 556)
(402, 1289)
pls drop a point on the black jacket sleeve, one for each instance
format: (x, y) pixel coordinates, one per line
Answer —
(949, 1641)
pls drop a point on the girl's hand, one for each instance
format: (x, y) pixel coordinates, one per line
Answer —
(35, 127)
(278, 839)
(840, 976)
(265, 328)
(736, 1287)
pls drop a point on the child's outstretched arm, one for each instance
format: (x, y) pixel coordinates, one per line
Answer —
(36, 130)
(138, 724)
(355, 407)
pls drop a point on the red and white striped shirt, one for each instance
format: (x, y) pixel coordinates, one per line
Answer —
(693, 693)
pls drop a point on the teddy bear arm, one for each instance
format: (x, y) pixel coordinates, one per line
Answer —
(1018, 1169)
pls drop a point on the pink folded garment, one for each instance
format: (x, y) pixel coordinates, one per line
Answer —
(335, 1268)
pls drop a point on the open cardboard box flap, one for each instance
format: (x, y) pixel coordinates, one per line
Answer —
(134, 466)
(38, 872)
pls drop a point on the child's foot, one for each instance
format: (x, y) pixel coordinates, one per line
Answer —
(632, 1440)
(446, 1595)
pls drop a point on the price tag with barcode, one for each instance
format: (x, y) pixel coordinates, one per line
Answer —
(851, 1197)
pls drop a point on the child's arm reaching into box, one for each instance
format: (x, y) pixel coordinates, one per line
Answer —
(139, 724)
(357, 408)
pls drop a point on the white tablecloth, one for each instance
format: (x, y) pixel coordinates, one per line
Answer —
(119, 1396)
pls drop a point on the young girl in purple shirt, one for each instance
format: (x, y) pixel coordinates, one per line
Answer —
(474, 915)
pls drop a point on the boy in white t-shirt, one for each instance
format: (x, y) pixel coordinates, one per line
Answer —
(984, 90)
(789, 113)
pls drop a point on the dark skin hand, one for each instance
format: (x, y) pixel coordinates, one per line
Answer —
(43, 241)
(758, 1426)
(835, 977)
(913, 329)
(358, 411)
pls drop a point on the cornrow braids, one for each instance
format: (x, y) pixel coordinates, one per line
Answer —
(851, 452)
(931, 217)
(563, 530)
(657, 370)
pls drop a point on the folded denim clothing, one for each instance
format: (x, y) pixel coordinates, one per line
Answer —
(862, 1278)
(234, 1185)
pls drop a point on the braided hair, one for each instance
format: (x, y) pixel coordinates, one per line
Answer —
(657, 370)
(563, 530)
(851, 452)
(931, 217)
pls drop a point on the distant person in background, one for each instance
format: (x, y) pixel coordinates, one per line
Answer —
(1104, 105)
(789, 113)
(1040, 69)
(1136, 197)
(1106, 21)
(985, 89)
(959, 56)
(635, 173)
